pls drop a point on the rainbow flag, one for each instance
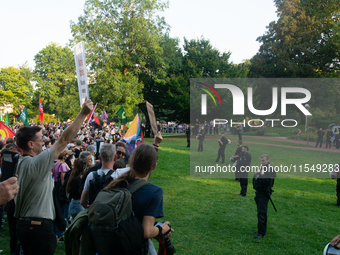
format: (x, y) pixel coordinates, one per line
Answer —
(133, 131)
(5, 132)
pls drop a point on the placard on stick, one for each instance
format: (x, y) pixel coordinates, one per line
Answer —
(152, 117)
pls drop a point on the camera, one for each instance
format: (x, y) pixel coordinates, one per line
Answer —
(9, 164)
(170, 249)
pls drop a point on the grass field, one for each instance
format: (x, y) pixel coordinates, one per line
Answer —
(210, 218)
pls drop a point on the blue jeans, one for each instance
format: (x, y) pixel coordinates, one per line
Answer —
(75, 207)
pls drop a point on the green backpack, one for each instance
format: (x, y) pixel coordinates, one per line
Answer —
(113, 225)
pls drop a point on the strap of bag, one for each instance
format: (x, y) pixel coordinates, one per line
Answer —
(111, 172)
(136, 186)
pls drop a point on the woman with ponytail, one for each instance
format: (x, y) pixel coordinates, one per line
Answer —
(147, 202)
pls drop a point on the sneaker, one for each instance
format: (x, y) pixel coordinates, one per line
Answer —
(259, 236)
(60, 239)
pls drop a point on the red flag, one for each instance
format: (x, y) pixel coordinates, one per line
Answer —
(5, 132)
(96, 118)
(90, 115)
(141, 134)
(41, 110)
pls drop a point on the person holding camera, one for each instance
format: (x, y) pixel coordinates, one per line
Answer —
(263, 182)
(35, 208)
(147, 202)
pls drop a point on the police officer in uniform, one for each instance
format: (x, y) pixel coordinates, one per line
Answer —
(237, 156)
(242, 166)
(263, 182)
(201, 135)
(188, 131)
(222, 143)
(329, 136)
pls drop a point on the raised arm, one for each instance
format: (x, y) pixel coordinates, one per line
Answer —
(72, 130)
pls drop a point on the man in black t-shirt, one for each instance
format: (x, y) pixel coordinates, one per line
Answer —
(320, 134)
(222, 143)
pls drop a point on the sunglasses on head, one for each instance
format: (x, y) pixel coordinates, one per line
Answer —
(119, 152)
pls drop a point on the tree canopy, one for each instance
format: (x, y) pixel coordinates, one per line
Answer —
(303, 42)
(56, 82)
(15, 86)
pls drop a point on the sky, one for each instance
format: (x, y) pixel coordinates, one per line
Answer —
(229, 25)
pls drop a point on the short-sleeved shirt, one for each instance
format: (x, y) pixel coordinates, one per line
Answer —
(148, 201)
(102, 172)
(58, 169)
(35, 198)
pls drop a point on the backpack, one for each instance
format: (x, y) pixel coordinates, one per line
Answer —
(113, 225)
(98, 183)
(77, 236)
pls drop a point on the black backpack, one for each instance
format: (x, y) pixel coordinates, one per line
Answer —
(113, 225)
(98, 183)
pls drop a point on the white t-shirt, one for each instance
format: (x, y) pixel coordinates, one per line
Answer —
(102, 172)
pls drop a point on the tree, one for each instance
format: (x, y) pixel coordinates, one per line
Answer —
(15, 86)
(122, 41)
(304, 42)
(55, 76)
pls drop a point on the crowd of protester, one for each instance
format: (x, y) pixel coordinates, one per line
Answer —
(63, 157)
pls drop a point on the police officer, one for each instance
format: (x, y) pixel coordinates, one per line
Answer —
(237, 156)
(222, 143)
(263, 181)
(239, 131)
(201, 135)
(329, 135)
(243, 168)
(188, 131)
(320, 134)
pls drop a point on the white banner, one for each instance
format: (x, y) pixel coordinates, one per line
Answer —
(79, 57)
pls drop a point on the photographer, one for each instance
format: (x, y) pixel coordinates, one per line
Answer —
(147, 202)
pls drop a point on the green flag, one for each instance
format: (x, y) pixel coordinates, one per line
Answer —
(24, 116)
(121, 113)
(7, 119)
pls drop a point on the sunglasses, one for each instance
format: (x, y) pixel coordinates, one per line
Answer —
(120, 153)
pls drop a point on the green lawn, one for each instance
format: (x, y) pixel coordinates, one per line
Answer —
(210, 218)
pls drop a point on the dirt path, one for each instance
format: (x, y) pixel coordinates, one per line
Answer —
(283, 139)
